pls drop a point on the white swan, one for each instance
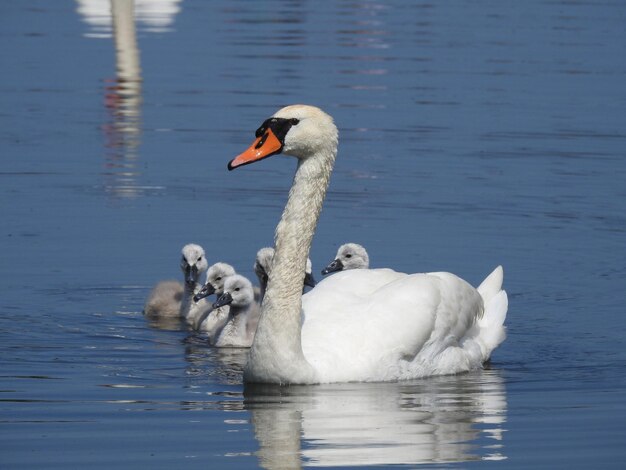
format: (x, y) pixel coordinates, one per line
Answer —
(173, 298)
(262, 266)
(349, 256)
(212, 320)
(239, 296)
(358, 325)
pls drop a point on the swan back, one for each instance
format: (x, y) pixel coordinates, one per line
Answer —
(396, 331)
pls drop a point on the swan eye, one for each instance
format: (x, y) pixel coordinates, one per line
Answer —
(294, 121)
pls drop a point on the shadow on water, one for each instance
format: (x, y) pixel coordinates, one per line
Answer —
(445, 419)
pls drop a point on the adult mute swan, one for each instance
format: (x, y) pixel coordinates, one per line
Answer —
(172, 298)
(358, 325)
(349, 256)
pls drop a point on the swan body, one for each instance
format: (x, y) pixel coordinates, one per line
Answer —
(239, 296)
(349, 256)
(173, 298)
(361, 324)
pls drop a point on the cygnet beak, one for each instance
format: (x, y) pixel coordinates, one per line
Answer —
(191, 275)
(223, 299)
(335, 266)
(206, 290)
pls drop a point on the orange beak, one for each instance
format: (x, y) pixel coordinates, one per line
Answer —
(263, 147)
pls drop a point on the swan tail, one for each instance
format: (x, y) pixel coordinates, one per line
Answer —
(496, 303)
(491, 285)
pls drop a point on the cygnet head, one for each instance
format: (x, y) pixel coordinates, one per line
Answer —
(238, 292)
(297, 130)
(193, 263)
(215, 278)
(263, 264)
(349, 256)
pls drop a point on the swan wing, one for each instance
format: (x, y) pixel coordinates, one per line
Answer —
(378, 336)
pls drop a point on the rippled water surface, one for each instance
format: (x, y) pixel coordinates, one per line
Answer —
(472, 134)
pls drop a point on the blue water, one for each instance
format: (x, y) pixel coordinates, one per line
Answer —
(472, 134)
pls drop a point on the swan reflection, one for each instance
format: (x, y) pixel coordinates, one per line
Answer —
(123, 94)
(436, 420)
(123, 101)
(155, 16)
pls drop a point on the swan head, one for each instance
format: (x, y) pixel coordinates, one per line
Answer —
(263, 264)
(193, 263)
(215, 278)
(297, 130)
(238, 292)
(349, 256)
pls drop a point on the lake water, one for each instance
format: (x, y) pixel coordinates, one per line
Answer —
(472, 134)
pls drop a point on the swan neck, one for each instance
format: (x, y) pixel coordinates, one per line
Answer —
(262, 289)
(276, 354)
(187, 303)
(236, 323)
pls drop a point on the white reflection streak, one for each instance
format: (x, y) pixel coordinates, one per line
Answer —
(123, 99)
(118, 18)
(154, 16)
(430, 421)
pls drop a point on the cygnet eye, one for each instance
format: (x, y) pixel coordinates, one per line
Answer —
(218, 278)
(348, 255)
(237, 289)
